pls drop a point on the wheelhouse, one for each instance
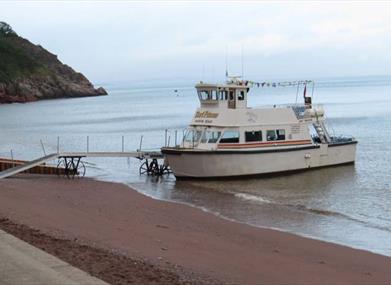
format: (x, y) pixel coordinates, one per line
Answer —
(232, 96)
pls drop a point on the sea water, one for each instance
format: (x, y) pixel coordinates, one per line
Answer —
(350, 205)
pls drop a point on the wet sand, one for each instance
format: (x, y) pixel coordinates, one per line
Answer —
(193, 245)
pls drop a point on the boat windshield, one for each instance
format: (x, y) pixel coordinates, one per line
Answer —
(210, 136)
(192, 136)
(206, 95)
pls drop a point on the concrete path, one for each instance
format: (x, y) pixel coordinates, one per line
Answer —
(23, 264)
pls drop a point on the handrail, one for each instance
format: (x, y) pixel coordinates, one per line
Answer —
(135, 154)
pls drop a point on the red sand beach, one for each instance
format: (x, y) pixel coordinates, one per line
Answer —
(179, 239)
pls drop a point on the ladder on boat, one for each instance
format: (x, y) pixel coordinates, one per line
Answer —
(322, 132)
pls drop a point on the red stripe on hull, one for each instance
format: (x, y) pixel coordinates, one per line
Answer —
(264, 144)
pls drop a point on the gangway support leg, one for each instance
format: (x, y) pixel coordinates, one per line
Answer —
(153, 167)
(71, 166)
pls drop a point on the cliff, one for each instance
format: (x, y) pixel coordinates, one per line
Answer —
(28, 72)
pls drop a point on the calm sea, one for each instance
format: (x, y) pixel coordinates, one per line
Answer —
(349, 205)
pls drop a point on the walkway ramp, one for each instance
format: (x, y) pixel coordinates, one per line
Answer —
(39, 161)
(28, 165)
(134, 154)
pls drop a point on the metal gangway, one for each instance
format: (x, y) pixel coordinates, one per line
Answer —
(72, 165)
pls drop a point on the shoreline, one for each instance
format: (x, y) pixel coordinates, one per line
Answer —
(209, 248)
(217, 214)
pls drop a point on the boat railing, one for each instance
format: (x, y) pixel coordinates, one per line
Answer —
(176, 138)
(341, 139)
(288, 105)
(299, 109)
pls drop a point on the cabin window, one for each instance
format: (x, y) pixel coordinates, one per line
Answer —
(203, 95)
(223, 95)
(275, 135)
(271, 135)
(189, 136)
(192, 136)
(214, 95)
(241, 96)
(214, 137)
(210, 136)
(197, 136)
(208, 95)
(280, 134)
(230, 137)
(204, 138)
(253, 136)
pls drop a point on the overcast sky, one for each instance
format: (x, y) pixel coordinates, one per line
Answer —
(119, 41)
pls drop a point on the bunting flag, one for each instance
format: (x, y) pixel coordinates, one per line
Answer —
(280, 84)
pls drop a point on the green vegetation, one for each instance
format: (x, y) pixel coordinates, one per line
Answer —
(15, 62)
(29, 72)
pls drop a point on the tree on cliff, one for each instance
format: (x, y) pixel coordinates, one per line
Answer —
(6, 29)
(28, 72)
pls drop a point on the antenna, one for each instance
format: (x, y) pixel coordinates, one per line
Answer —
(241, 58)
(226, 61)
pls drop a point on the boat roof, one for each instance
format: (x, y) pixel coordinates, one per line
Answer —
(204, 85)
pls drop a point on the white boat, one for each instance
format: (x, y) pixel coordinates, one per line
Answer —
(226, 138)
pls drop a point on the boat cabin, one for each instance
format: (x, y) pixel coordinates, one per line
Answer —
(224, 121)
(232, 95)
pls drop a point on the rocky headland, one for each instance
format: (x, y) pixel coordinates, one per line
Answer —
(28, 72)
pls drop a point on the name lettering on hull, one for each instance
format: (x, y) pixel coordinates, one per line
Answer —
(206, 114)
(203, 121)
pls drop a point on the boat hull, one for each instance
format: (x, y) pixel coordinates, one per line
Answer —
(236, 163)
